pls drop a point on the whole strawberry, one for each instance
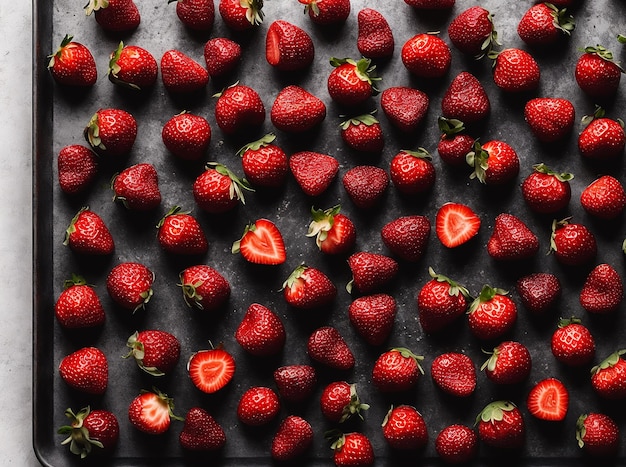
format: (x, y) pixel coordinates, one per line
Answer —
(295, 383)
(198, 15)
(351, 82)
(426, 55)
(412, 172)
(472, 31)
(86, 370)
(73, 64)
(88, 234)
(492, 314)
(374, 36)
(596, 72)
(221, 56)
(546, 191)
(239, 107)
(603, 139)
(89, 429)
(339, 401)
(130, 285)
(327, 12)
(603, 290)
(201, 432)
(77, 167)
(511, 239)
(218, 190)
(155, 351)
(454, 144)
(494, 162)
(515, 70)
(241, 15)
(404, 428)
(440, 302)
(454, 374)
(407, 236)
(598, 434)
(363, 133)
(187, 136)
(115, 15)
(133, 67)
(111, 132)
(608, 379)
(296, 110)
(550, 118)
(572, 343)
(404, 107)
(152, 412)
(365, 185)
(334, 233)
(501, 425)
(313, 171)
(328, 347)
(604, 198)
(573, 244)
(260, 332)
(353, 449)
(264, 163)
(182, 74)
(371, 271)
(293, 437)
(79, 306)
(396, 370)
(258, 406)
(288, 47)
(373, 316)
(456, 444)
(544, 24)
(510, 363)
(307, 288)
(204, 287)
(180, 233)
(465, 99)
(261, 243)
(137, 187)
(539, 292)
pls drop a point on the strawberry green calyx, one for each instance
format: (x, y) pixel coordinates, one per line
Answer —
(567, 321)
(323, 221)
(72, 227)
(92, 133)
(544, 169)
(581, 431)
(171, 212)
(365, 119)
(114, 69)
(490, 41)
(561, 19)
(310, 5)
(137, 351)
(420, 153)
(555, 226)
(294, 276)
(494, 412)
(598, 112)
(74, 280)
(238, 184)
(455, 287)
(490, 363)
(254, 11)
(406, 353)
(237, 244)
(66, 40)
(95, 5)
(621, 38)
(78, 435)
(190, 293)
(609, 361)
(264, 141)
(355, 406)
(364, 69)
(450, 126)
(166, 400)
(486, 294)
(477, 159)
(336, 438)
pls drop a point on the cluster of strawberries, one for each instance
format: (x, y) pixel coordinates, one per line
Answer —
(441, 301)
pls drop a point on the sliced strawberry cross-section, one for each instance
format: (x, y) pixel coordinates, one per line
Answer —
(261, 243)
(456, 224)
(212, 369)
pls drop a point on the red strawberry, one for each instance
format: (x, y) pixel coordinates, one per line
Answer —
(365, 185)
(604, 198)
(472, 31)
(261, 243)
(313, 171)
(543, 24)
(511, 239)
(86, 370)
(151, 412)
(351, 82)
(88, 234)
(137, 187)
(111, 132)
(88, 429)
(79, 306)
(181, 73)
(500, 425)
(264, 164)
(404, 428)
(211, 369)
(573, 244)
(258, 406)
(405, 107)
(539, 291)
(598, 434)
(456, 224)
(596, 73)
(548, 400)
(239, 108)
(372, 316)
(334, 232)
(494, 162)
(371, 271)
(115, 15)
(515, 70)
(155, 351)
(240, 15)
(374, 35)
(456, 444)
(510, 363)
(293, 438)
(549, 118)
(73, 64)
(465, 99)
(546, 191)
(260, 332)
(440, 302)
(454, 374)
(198, 15)
(328, 347)
(218, 190)
(221, 55)
(412, 172)
(130, 285)
(430, 4)
(288, 47)
(295, 383)
(201, 432)
(180, 233)
(407, 236)
(353, 449)
(340, 401)
(397, 370)
(603, 290)
(133, 67)
(453, 145)
(308, 287)
(608, 379)
(204, 287)
(77, 167)
(426, 55)
(572, 344)
(603, 139)
(363, 133)
(186, 136)
(325, 12)
(296, 110)
(492, 314)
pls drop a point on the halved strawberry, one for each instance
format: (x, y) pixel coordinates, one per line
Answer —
(152, 412)
(212, 369)
(548, 400)
(261, 243)
(456, 224)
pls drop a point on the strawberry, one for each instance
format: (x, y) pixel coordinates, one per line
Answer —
(204, 287)
(201, 432)
(430, 4)
(288, 47)
(373, 316)
(539, 292)
(604, 198)
(111, 132)
(132, 66)
(374, 35)
(407, 236)
(221, 55)
(456, 444)
(572, 343)
(550, 118)
(472, 31)
(608, 379)
(334, 233)
(371, 271)
(492, 314)
(353, 449)
(546, 191)
(440, 302)
(88, 429)
(292, 438)
(598, 434)
(261, 243)
(596, 73)
(137, 187)
(198, 15)
(182, 74)
(453, 144)
(454, 374)
(426, 55)
(603, 290)
(241, 15)
(295, 383)
(211, 369)
(258, 406)
(86, 370)
(77, 167)
(130, 285)
(328, 347)
(365, 185)
(500, 425)
(351, 82)
(515, 70)
(494, 162)
(543, 24)
(180, 233)
(155, 351)
(115, 15)
(404, 107)
(511, 239)
(603, 139)
(264, 163)
(186, 136)
(573, 244)
(465, 99)
(456, 224)
(296, 110)
(88, 234)
(396, 370)
(327, 12)
(152, 412)
(363, 133)
(239, 108)
(339, 401)
(548, 400)
(218, 190)
(79, 306)
(308, 288)
(260, 332)
(509, 363)
(73, 64)
(404, 428)
(412, 172)
(313, 171)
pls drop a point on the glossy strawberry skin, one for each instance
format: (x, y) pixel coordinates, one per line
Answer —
(129, 284)
(264, 164)
(349, 83)
(335, 233)
(295, 383)
(452, 149)
(440, 301)
(77, 167)
(374, 37)
(365, 185)
(596, 73)
(180, 233)
(241, 16)
(373, 317)
(204, 287)
(404, 428)
(539, 292)
(239, 107)
(292, 439)
(492, 314)
(515, 70)
(412, 172)
(603, 290)
(573, 244)
(511, 239)
(550, 118)
(156, 351)
(182, 74)
(471, 31)
(339, 401)
(572, 343)
(288, 47)
(313, 171)
(501, 160)
(608, 379)
(454, 373)
(510, 363)
(405, 107)
(296, 110)
(598, 434)
(214, 190)
(187, 136)
(221, 56)
(371, 271)
(308, 288)
(604, 198)
(354, 449)
(363, 134)
(88, 234)
(111, 132)
(546, 191)
(328, 347)
(201, 432)
(260, 332)
(118, 15)
(465, 99)
(327, 12)
(91, 428)
(407, 236)
(602, 140)
(258, 406)
(79, 306)
(426, 56)
(543, 25)
(501, 425)
(132, 66)
(457, 444)
(86, 370)
(198, 15)
(137, 187)
(396, 370)
(73, 64)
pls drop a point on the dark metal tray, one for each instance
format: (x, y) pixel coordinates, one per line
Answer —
(60, 116)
